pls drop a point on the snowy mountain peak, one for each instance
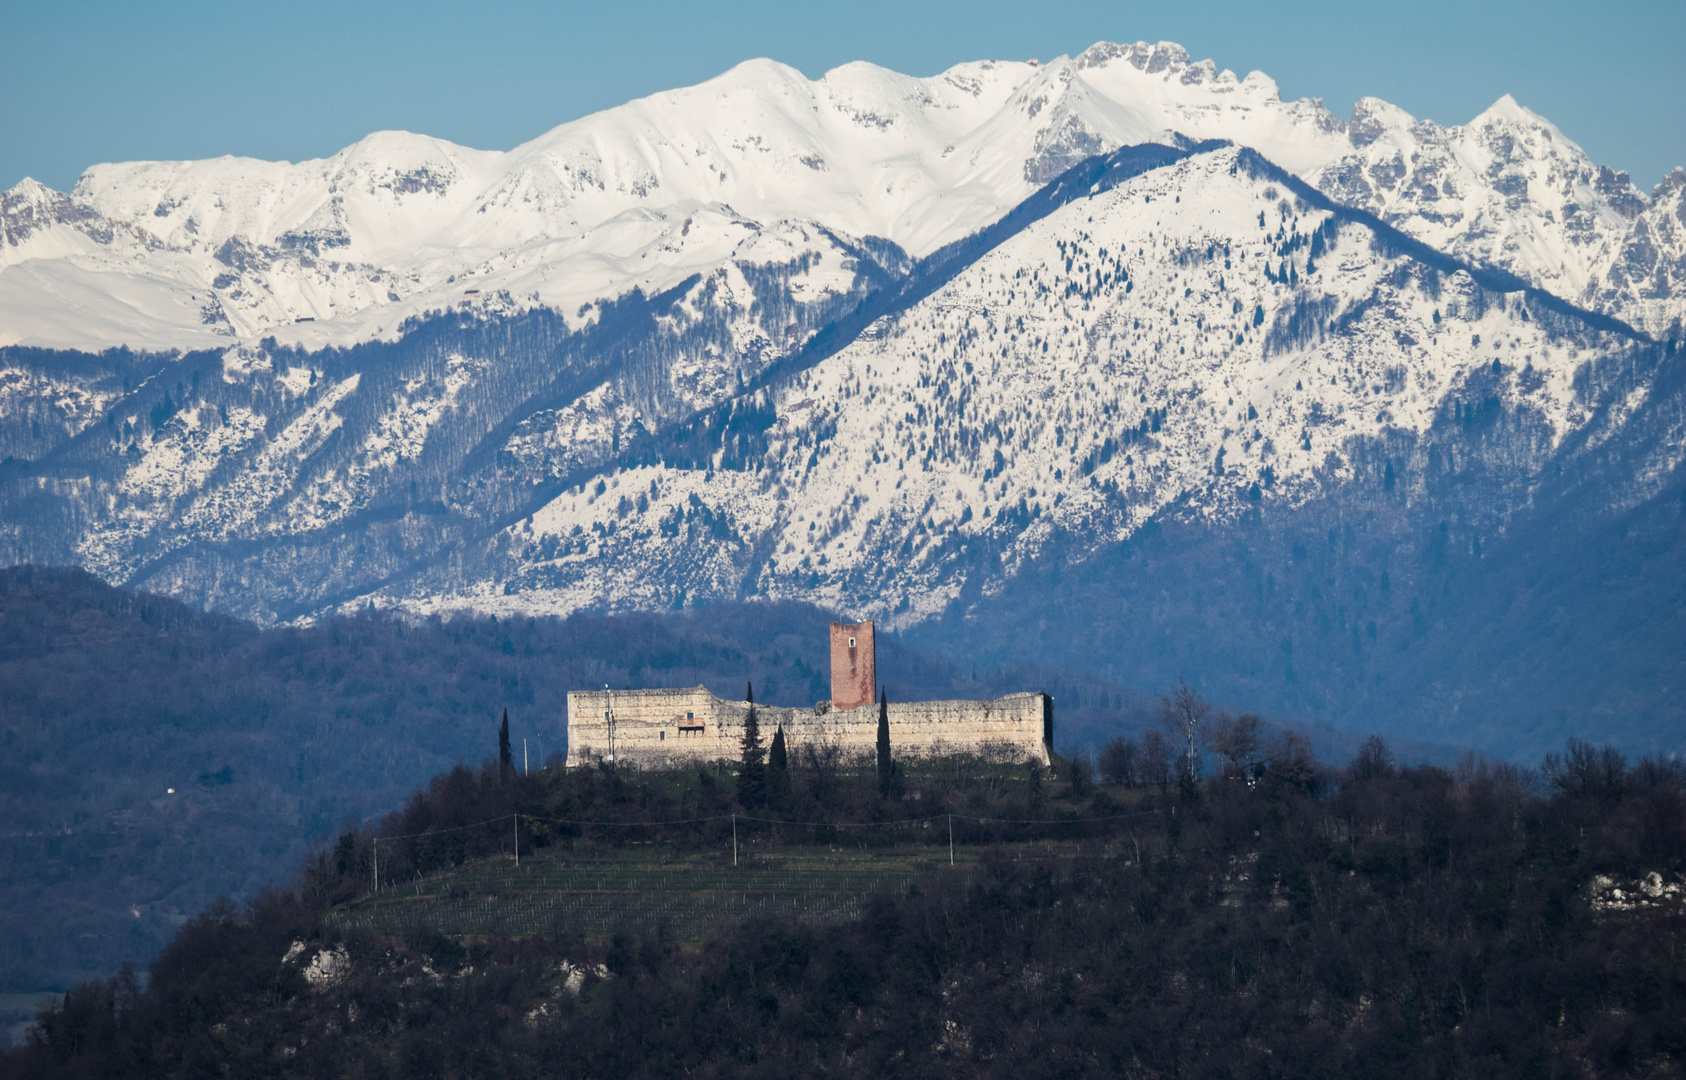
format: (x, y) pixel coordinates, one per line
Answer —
(29, 190)
(1372, 118)
(348, 248)
(1509, 190)
(27, 206)
(1508, 109)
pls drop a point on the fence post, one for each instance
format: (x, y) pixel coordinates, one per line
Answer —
(951, 840)
(734, 839)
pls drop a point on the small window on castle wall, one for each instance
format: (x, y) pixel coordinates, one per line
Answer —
(851, 643)
(663, 737)
(690, 716)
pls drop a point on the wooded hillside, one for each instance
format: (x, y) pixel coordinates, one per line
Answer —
(1369, 921)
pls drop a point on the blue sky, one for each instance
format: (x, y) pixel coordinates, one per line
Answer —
(82, 83)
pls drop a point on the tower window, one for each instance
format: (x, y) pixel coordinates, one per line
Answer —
(851, 643)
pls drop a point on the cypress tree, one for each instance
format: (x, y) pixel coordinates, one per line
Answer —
(885, 765)
(506, 762)
(752, 774)
(778, 770)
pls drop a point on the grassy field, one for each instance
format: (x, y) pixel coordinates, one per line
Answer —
(596, 893)
(603, 852)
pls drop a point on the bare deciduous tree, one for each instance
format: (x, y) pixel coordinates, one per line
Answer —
(1237, 740)
(1183, 712)
(823, 758)
(1585, 769)
(1291, 762)
(1119, 761)
(1080, 771)
(1374, 761)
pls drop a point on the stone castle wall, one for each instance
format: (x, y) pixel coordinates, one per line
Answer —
(665, 728)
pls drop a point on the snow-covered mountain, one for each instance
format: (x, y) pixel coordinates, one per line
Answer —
(195, 254)
(1510, 190)
(1117, 360)
(1199, 337)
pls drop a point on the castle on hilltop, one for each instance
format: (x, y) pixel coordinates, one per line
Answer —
(681, 726)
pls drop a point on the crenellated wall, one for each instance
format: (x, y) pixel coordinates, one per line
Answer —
(662, 728)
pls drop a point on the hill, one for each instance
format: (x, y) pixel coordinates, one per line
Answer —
(273, 739)
(1365, 921)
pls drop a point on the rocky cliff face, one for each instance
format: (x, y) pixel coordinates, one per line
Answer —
(1510, 190)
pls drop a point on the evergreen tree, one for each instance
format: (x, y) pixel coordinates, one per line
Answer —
(506, 762)
(886, 766)
(1155, 760)
(752, 773)
(778, 770)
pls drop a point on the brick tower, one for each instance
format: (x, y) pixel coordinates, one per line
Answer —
(854, 665)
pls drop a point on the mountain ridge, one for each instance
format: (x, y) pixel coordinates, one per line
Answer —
(399, 224)
(1166, 334)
